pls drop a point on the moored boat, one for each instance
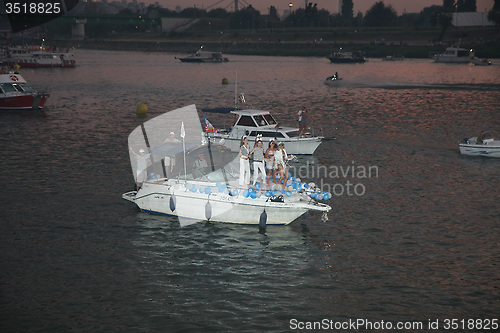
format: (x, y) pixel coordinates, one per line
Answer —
(39, 58)
(204, 56)
(16, 94)
(455, 54)
(252, 123)
(484, 145)
(347, 57)
(173, 181)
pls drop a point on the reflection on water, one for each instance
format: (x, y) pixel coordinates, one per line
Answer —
(420, 243)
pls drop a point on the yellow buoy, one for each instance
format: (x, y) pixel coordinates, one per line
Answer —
(225, 81)
(142, 109)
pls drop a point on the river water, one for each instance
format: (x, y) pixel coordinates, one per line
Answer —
(414, 240)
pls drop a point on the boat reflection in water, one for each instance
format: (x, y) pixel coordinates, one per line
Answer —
(196, 180)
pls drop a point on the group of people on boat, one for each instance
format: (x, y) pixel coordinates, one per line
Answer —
(273, 159)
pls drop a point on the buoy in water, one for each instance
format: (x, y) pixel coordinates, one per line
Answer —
(142, 109)
(225, 81)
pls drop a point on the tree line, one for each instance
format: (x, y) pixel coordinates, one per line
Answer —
(148, 18)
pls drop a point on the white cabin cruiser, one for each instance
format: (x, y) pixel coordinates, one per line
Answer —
(197, 181)
(454, 55)
(485, 146)
(251, 123)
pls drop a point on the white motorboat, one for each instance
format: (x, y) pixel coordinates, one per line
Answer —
(16, 94)
(455, 55)
(175, 183)
(204, 56)
(39, 58)
(485, 146)
(253, 123)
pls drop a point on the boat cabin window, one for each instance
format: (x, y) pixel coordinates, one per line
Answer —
(293, 134)
(260, 120)
(267, 134)
(25, 87)
(7, 87)
(246, 121)
(18, 87)
(270, 120)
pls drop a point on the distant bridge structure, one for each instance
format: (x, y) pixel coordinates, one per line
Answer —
(228, 3)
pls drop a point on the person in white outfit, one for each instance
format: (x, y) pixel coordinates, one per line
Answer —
(279, 160)
(244, 163)
(258, 162)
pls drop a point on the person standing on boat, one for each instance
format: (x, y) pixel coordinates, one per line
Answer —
(142, 166)
(258, 162)
(244, 163)
(280, 163)
(271, 150)
(303, 120)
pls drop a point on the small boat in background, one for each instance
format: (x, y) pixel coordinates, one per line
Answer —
(16, 94)
(204, 56)
(484, 145)
(393, 58)
(347, 57)
(41, 57)
(455, 54)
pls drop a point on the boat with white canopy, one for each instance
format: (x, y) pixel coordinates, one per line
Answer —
(187, 176)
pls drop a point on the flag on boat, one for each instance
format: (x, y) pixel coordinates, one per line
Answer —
(208, 126)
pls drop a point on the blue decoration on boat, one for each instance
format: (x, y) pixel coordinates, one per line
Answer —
(246, 193)
(268, 193)
(193, 189)
(327, 195)
(288, 193)
(257, 186)
(253, 194)
(208, 190)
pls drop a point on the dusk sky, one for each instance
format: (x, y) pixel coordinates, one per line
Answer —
(410, 6)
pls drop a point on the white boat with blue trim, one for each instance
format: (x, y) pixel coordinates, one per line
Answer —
(484, 145)
(173, 181)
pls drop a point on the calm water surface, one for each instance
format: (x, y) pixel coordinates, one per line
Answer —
(420, 243)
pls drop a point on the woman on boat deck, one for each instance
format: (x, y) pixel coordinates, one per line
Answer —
(271, 150)
(258, 162)
(244, 163)
(279, 160)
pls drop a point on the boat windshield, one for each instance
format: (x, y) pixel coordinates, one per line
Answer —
(173, 145)
(270, 120)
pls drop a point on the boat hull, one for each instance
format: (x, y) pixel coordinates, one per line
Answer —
(203, 60)
(294, 146)
(24, 102)
(36, 64)
(480, 150)
(345, 61)
(219, 207)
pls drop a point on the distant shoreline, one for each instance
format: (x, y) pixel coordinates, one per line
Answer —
(295, 48)
(315, 42)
